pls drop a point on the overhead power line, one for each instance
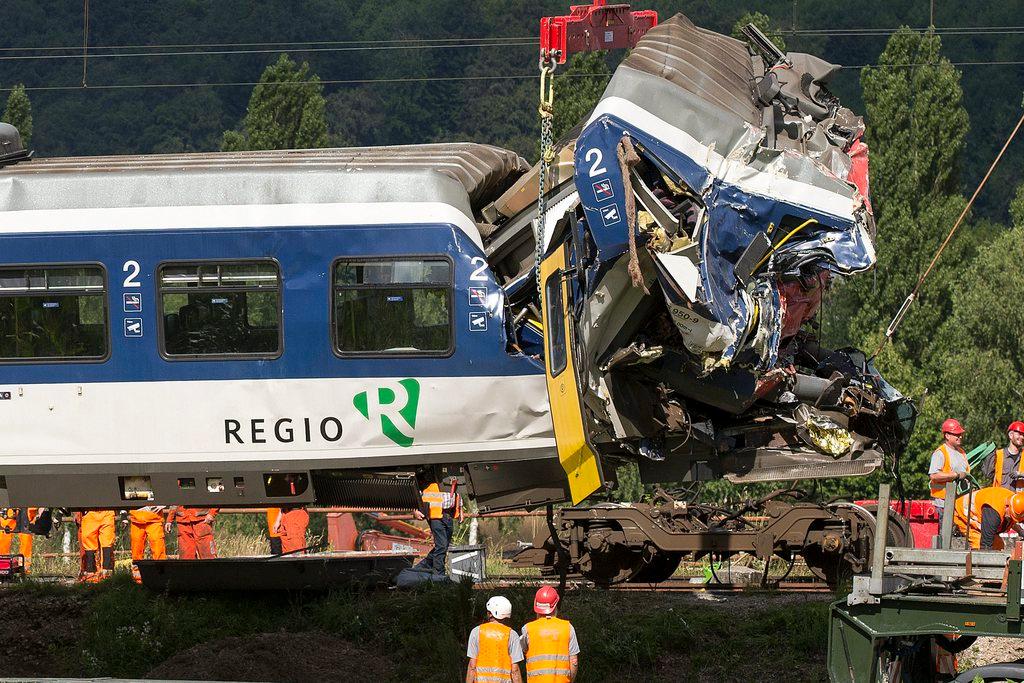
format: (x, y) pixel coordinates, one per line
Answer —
(206, 53)
(161, 46)
(427, 79)
(431, 43)
(353, 81)
(942, 30)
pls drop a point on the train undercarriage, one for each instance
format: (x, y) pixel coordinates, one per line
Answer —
(612, 543)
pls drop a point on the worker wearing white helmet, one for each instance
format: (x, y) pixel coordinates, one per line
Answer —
(494, 651)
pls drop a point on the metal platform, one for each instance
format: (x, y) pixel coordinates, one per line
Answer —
(918, 608)
(273, 573)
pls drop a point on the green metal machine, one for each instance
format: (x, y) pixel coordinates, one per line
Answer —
(919, 607)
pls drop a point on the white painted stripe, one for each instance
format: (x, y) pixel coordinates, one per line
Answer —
(168, 422)
(236, 216)
(729, 171)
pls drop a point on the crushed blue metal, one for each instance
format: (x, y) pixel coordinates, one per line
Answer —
(717, 193)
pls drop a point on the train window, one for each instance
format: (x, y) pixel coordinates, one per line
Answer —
(556, 323)
(393, 306)
(220, 309)
(53, 312)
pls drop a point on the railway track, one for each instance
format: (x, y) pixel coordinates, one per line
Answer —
(673, 585)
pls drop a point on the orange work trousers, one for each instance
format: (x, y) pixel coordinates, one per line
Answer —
(24, 546)
(152, 532)
(195, 541)
(293, 529)
(98, 538)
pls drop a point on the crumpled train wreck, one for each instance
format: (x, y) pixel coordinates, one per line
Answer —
(714, 196)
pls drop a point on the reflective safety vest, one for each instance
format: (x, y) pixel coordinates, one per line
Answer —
(994, 497)
(493, 663)
(272, 515)
(8, 520)
(437, 500)
(547, 650)
(997, 471)
(940, 491)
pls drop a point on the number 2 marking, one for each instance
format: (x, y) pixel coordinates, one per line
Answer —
(133, 269)
(478, 274)
(595, 169)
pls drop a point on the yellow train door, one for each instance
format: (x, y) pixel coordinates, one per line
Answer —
(578, 458)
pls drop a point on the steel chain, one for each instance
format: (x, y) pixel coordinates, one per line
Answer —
(547, 156)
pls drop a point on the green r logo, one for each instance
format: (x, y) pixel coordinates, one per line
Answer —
(391, 410)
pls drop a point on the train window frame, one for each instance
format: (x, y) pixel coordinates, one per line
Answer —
(331, 302)
(555, 282)
(161, 290)
(105, 294)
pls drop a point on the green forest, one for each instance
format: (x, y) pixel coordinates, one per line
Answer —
(182, 75)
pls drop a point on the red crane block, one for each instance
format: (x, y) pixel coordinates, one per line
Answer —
(599, 26)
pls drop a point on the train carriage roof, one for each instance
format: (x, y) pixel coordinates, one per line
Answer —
(466, 176)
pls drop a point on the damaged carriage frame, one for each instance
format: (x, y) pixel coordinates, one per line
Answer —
(691, 299)
(612, 543)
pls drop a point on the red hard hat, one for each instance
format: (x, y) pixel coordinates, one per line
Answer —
(1017, 507)
(1016, 426)
(952, 426)
(545, 601)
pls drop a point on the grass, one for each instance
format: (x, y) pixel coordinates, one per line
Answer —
(119, 629)
(124, 630)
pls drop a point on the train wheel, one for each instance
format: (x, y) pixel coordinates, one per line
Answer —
(611, 567)
(837, 570)
(659, 569)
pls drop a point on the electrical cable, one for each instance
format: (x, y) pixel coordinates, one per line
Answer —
(362, 81)
(207, 53)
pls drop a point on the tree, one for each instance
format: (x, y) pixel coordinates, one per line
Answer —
(286, 111)
(578, 89)
(763, 22)
(916, 126)
(18, 113)
(985, 357)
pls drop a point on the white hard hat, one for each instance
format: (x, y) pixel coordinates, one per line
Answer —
(499, 607)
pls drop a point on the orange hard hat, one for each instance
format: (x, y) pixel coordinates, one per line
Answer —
(546, 600)
(1017, 507)
(952, 426)
(1016, 426)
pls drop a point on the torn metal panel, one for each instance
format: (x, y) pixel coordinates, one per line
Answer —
(718, 196)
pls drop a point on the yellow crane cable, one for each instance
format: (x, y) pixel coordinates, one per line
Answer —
(783, 241)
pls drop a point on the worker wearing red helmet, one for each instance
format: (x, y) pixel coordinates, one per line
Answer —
(552, 651)
(948, 463)
(984, 514)
(1004, 466)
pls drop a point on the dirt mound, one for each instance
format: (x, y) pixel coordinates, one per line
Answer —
(28, 646)
(275, 657)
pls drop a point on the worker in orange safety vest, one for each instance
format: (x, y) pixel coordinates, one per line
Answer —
(195, 532)
(291, 526)
(273, 517)
(15, 522)
(984, 514)
(98, 538)
(948, 463)
(552, 651)
(494, 649)
(1005, 466)
(440, 509)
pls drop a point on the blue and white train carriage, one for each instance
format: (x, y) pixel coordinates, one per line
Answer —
(239, 329)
